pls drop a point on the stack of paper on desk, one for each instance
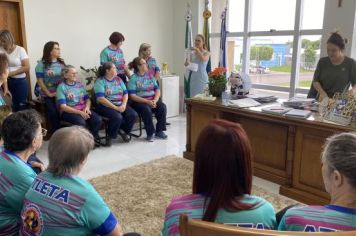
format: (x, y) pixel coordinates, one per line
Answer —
(276, 110)
(296, 113)
(244, 102)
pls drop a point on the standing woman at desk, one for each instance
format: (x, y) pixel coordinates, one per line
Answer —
(145, 53)
(336, 72)
(48, 73)
(113, 53)
(199, 78)
(19, 65)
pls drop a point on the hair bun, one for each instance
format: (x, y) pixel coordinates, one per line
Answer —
(346, 40)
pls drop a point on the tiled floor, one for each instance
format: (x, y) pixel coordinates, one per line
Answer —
(121, 155)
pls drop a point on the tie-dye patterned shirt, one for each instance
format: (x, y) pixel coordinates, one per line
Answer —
(143, 86)
(152, 66)
(261, 216)
(115, 56)
(328, 218)
(51, 80)
(16, 177)
(113, 90)
(65, 206)
(74, 95)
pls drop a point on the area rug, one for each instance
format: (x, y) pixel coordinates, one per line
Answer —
(139, 195)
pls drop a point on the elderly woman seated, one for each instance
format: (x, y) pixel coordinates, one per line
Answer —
(22, 135)
(338, 170)
(59, 202)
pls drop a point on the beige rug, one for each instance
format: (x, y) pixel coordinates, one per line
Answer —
(139, 195)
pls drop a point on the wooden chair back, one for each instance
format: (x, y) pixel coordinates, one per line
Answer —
(191, 227)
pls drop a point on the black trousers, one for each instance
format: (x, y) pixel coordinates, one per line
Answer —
(145, 111)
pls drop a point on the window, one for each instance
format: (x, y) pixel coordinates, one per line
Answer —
(272, 14)
(275, 60)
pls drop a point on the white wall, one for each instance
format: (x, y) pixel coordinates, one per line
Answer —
(342, 19)
(83, 27)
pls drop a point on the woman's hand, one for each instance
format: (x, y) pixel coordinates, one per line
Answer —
(121, 108)
(87, 110)
(51, 95)
(7, 93)
(84, 115)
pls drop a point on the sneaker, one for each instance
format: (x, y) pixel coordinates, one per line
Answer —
(167, 123)
(150, 138)
(161, 135)
(126, 137)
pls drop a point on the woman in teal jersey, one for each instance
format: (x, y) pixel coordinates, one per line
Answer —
(48, 73)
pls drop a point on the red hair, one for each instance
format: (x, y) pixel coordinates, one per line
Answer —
(222, 167)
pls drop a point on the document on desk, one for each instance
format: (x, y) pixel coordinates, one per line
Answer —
(297, 113)
(244, 102)
(277, 110)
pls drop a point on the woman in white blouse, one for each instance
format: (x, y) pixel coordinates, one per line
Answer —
(19, 65)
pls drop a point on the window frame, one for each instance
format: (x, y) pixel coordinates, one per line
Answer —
(297, 34)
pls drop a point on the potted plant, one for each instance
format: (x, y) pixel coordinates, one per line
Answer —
(217, 81)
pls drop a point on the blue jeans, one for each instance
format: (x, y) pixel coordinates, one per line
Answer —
(117, 120)
(53, 114)
(19, 90)
(145, 111)
(94, 121)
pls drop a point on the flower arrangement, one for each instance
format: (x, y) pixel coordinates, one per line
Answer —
(217, 81)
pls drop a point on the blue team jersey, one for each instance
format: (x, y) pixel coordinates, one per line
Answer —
(143, 86)
(327, 218)
(65, 206)
(113, 90)
(16, 178)
(53, 80)
(115, 56)
(74, 95)
(152, 66)
(260, 216)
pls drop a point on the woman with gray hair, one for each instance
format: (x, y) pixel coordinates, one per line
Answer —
(145, 53)
(74, 103)
(59, 202)
(338, 171)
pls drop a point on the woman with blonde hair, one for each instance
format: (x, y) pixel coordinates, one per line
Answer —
(200, 57)
(19, 65)
(145, 53)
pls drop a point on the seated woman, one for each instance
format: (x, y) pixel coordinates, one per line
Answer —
(22, 135)
(144, 93)
(59, 202)
(222, 182)
(338, 171)
(74, 103)
(48, 73)
(336, 72)
(111, 94)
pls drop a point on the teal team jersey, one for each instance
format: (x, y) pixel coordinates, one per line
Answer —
(328, 218)
(16, 178)
(50, 80)
(113, 90)
(260, 216)
(115, 56)
(65, 206)
(143, 86)
(74, 95)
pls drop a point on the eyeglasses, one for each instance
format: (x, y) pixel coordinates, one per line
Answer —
(56, 48)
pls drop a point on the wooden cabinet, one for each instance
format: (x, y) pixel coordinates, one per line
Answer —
(286, 151)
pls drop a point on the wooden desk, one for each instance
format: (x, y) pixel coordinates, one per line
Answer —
(286, 151)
